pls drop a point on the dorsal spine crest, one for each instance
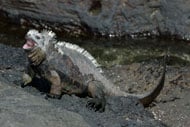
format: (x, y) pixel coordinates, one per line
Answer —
(77, 48)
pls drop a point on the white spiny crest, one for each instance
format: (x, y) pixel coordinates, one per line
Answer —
(50, 33)
(49, 38)
(61, 45)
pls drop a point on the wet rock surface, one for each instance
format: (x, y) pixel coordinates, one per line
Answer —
(22, 107)
(133, 18)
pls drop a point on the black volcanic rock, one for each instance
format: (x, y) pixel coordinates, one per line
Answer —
(133, 18)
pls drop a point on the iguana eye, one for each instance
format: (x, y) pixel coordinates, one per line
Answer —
(37, 37)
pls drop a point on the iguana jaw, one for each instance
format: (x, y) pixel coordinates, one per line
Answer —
(30, 44)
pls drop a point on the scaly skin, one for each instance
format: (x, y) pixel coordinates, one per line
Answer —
(72, 70)
(69, 81)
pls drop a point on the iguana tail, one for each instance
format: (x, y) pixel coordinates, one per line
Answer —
(147, 98)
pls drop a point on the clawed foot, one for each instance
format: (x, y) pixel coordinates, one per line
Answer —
(23, 85)
(96, 104)
(54, 96)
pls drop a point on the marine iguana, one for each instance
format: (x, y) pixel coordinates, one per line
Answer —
(70, 69)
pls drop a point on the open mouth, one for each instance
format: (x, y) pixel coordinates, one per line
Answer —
(29, 44)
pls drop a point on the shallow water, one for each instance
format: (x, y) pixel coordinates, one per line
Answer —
(111, 51)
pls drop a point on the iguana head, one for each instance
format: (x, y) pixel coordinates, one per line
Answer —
(37, 45)
(34, 38)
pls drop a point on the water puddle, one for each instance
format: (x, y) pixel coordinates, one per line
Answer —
(109, 51)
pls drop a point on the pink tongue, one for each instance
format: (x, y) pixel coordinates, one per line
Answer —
(29, 44)
(25, 46)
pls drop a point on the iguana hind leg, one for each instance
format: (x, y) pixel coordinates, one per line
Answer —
(56, 88)
(98, 101)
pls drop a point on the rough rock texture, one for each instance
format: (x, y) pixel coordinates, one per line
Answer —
(173, 104)
(27, 107)
(104, 17)
(20, 109)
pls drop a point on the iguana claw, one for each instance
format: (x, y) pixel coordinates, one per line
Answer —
(96, 104)
(54, 96)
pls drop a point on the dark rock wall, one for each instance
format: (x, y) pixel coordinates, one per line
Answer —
(133, 18)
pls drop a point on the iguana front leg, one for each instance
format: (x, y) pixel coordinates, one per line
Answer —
(98, 101)
(26, 79)
(36, 56)
(56, 88)
(27, 76)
